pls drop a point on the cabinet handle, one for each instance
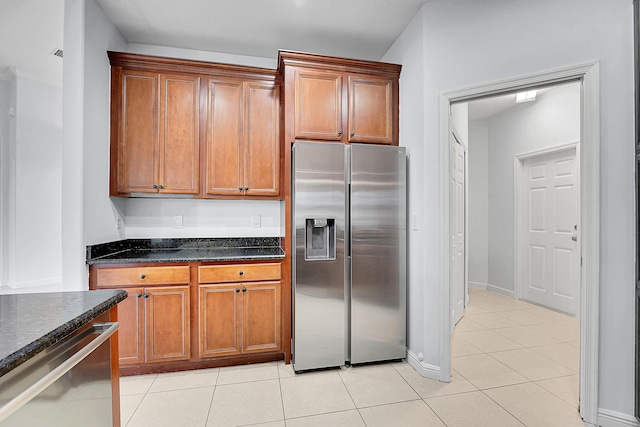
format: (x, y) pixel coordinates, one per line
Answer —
(139, 295)
(244, 289)
(240, 188)
(142, 276)
(146, 295)
(352, 134)
(237, 291)
(246, 188)
(339, 133)
(161, 187)
(155, 186)
(241, 273)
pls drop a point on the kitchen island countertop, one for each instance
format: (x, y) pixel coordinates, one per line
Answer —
(30, 323)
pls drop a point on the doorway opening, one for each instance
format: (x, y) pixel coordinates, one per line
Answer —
(586, 225)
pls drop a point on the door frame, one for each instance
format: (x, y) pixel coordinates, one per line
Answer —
(457, 139)
(589, 75)
(518, 210)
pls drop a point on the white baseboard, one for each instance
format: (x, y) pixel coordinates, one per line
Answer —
(499, 290)
(424, 369)
(607, 418)
(478, 285)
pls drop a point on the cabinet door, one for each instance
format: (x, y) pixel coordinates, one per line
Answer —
(220, 311)
(224, 136)
(179, 134)
(318, 105)
(261, 142)
(167, 323)
(131, 330)
(137, 161)
(371, 109)
(261, 317)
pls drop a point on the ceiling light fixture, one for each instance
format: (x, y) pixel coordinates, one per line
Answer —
(526, 96)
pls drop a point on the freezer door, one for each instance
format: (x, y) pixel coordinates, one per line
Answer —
(378, 253)
(318, 264)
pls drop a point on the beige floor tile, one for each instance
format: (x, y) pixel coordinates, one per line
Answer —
(246, 403)
(185, 379)
(285, 371)
(406, 414)
(376, 385)
(563, 353)
(473, 409)
(494, 306)
(128, 405)
(526, 401)
(483, 371)
(566, 388)
(271, 424)
(491, 320)
(488, 341)
(523, 317)
(247, 373)
(527, 336)
(426, 387)
(459, 347)
(550, 315)
(136, 384)
(335, 419)
(532, 365)
(574, 343)
(466, 325)
(173, 408)
(473, 309)
(314, 393)
(560, 331)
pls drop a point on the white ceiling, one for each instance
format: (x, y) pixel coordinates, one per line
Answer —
(362, 29)
(488, 107)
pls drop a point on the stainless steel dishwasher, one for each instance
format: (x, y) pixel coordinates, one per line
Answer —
(68, 384)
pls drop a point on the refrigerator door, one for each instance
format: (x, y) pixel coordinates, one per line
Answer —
(378, 253)
(318, 220)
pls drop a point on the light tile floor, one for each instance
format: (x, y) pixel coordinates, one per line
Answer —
(514, 364)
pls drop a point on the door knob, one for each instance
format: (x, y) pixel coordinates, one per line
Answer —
(574, 238)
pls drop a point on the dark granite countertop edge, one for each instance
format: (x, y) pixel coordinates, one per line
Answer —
(28, 351)
(168, 260)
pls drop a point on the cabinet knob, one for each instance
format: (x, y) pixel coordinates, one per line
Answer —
(237, 291)
(139, 295)
(244, 289)
(241, 273)
(161, 187)
(155, 186)
(352, 134)
(246, 188)
(240, 188)
(339, 133)
(146, 295)
(142, 276)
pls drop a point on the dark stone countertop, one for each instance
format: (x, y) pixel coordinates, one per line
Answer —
(185, 250)
(30, 323)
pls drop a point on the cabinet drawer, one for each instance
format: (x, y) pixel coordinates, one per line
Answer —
(238, 273)
(142, 276)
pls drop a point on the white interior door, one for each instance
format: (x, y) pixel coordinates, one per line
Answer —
(458, 229)
(551, 265)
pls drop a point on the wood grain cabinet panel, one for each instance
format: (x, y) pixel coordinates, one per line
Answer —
(220, 313)
(239, 273)
(370, 110)
(141, 276)
(243, 150)
(131, 330)
(261, 317)
(318, 105)
(167, 326)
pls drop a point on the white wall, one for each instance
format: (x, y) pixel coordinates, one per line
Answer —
(553, 119)
(31, 184)
(409, 51)
(468, 43)
(460, 121)
(4, 176)
(478, 209)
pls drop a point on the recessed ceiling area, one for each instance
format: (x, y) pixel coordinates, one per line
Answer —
(485, 108)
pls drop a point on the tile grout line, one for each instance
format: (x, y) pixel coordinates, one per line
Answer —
(215, 387)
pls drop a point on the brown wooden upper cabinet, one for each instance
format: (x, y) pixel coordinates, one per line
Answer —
(243, 155)
(156, 139)
(335, 99)
(193, 127)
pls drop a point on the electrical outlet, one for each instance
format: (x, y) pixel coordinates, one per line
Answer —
(177, 221)
(255, 221)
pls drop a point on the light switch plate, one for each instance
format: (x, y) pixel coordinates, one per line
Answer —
(255, 221)
(177, 221)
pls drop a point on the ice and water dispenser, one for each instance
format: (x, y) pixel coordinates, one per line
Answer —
(320, 240)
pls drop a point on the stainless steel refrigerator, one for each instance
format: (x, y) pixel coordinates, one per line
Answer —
(349, 260)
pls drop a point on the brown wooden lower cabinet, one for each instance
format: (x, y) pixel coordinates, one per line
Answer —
(154, 325)
(188, 316)
(239, 318)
